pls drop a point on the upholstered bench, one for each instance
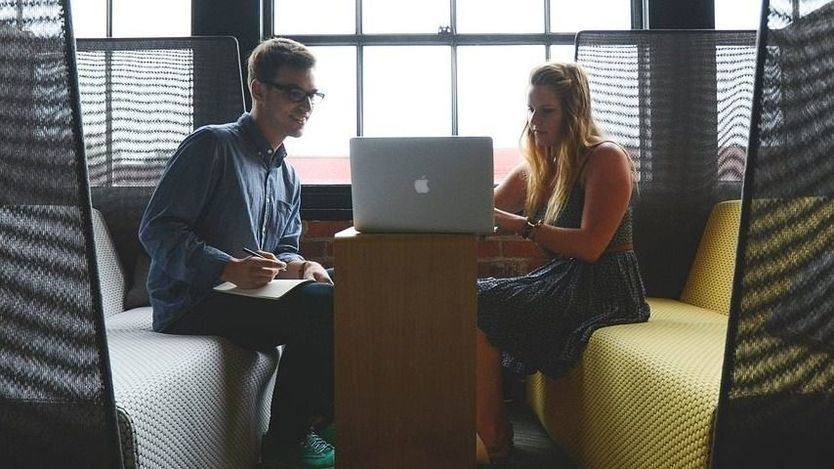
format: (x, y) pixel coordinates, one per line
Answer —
(182, 401)
(645, 395)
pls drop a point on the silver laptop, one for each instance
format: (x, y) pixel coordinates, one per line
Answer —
(422, 184)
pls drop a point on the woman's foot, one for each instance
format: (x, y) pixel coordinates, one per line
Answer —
(489, 454)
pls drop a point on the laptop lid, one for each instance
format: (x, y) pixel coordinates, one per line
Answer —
(422, 184)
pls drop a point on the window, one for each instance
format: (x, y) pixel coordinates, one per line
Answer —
(737, 14)
(130, 18)
(430, 67)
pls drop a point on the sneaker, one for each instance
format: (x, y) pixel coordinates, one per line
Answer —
(328, 434)
(312, 453)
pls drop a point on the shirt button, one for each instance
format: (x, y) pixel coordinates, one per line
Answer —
(269, 151)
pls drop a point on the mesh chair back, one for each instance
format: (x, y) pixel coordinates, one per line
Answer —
(139, 99)
(776, 407)
(680, 101)
(56, 394)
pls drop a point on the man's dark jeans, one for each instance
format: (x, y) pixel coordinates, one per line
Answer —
(302, 321)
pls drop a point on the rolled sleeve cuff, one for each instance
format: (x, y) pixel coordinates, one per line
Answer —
(289, 257)
(214, 263)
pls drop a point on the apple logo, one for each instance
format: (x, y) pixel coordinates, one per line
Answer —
(421, 185)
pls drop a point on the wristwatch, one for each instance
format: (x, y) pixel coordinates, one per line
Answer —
(529, 225)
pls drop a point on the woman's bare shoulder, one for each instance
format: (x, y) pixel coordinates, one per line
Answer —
(606, 156)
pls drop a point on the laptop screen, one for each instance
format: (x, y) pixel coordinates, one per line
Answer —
(422, 184)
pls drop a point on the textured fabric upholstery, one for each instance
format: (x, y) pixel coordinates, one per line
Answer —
(187, 401)
(110, 271)
(141, 97)
(56, 395)
(680, 101)
(710, 281)
(644, 395)
(776, 407)
(182, 401)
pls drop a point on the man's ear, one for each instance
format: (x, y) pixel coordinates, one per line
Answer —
(256, 89)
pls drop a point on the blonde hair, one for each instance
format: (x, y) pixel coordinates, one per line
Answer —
(552, 171)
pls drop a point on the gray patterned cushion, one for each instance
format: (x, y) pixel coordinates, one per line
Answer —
(187, 401)
(111, 275)
(181, 401)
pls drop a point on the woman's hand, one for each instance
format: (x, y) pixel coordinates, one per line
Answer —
(508, 223)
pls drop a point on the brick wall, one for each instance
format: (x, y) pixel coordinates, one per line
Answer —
(498, 256)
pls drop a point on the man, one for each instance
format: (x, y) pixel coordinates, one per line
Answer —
(228, 187)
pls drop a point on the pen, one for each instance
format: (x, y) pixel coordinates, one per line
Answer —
(258, 255)
(254, 253)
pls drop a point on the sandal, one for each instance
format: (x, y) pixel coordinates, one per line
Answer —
(484, 458)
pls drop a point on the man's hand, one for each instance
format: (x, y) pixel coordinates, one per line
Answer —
(252, 272)
(315, 271)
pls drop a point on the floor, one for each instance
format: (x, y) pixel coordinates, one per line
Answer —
(532, 449)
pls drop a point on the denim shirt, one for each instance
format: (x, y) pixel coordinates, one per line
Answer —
(224, 189)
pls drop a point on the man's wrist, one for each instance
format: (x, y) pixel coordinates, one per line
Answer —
(302, 269)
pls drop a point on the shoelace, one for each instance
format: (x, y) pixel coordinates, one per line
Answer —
(317, 444)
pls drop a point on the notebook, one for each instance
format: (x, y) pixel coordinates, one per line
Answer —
(273, 290)
(422, 184)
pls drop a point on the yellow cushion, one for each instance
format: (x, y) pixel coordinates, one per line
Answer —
(643, 395)
(710, 281)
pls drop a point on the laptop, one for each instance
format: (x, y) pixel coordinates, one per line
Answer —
(422, 184)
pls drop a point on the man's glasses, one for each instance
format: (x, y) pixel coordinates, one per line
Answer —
(297, 94)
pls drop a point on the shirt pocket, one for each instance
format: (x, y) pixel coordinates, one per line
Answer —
(281, 220)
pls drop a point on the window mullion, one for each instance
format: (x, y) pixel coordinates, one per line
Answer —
(547, 30)
(268, 19)
(109, 19)
(453, 26)
(360, 60)
(454, 64)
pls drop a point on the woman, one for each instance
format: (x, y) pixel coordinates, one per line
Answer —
(574, 189)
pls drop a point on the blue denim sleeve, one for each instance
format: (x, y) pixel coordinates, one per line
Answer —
(287, 249)
(166, 228)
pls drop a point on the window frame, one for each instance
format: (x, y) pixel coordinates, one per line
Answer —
(333, 201)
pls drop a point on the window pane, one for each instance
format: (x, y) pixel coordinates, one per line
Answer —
(320, 155)
(89, 18)
(492, 100)
(407, 91)
(737, 14)
(404, 16)
(500, 16)
(315, 17)
(151, 18)
(569, 15)
(562, 53)
(810, 6)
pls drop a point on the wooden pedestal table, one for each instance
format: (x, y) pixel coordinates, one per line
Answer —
(405, 350)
